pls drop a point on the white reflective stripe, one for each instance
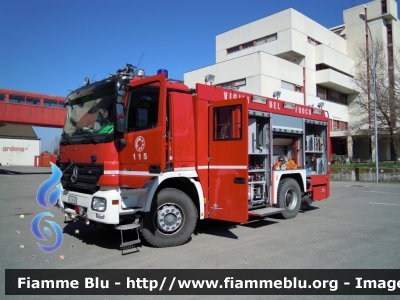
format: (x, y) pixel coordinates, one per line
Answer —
(111, 172)
(229, 167)
(223, 167)
(138, 173)
(144, 173)
(185, 169)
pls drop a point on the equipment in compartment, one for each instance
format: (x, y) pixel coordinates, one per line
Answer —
(258, 163)
(256, 177)
(257, 182)
(285, 163)
(258, 136)
(315, 143)
(316, 147)
(256, 194)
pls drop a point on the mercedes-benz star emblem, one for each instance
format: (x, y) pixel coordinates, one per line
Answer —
(74, 176)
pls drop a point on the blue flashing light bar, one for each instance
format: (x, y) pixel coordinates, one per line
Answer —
(163, 71)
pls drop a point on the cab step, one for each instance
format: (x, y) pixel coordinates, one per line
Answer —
(262, 212)
(133, 226)
(127, 226)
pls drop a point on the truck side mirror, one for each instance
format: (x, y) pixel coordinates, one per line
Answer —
(120, 118)
(120, 95)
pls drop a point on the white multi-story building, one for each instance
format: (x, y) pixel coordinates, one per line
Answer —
(306, 62)
(382, 20)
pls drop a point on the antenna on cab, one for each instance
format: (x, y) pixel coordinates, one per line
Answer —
(140, 60)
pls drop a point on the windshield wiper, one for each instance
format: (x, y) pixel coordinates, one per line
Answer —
(73, 122)
(91, 139)
(65, 138)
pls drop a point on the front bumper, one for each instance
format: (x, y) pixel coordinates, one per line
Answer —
(79, 206)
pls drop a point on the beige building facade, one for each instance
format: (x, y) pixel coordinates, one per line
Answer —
(306, 62)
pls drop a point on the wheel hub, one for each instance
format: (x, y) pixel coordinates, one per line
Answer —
(290, 198)
(169, 218)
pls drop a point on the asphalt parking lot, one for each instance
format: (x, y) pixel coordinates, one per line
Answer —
(356, 228)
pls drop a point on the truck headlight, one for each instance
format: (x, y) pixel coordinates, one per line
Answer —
(99, 204)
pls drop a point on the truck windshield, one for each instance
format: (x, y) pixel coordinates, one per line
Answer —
(91, 114)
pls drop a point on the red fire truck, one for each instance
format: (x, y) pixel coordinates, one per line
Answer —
(149, 154)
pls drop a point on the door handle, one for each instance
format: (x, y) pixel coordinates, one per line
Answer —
(155, 169)
(239, 180)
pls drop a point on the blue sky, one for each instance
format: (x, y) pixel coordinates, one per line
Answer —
(50, 46)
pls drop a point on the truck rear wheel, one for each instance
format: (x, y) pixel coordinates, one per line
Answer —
(171, 220)
(289, 197)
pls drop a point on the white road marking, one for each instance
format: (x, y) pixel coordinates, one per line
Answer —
(385, 204)
(377, 192)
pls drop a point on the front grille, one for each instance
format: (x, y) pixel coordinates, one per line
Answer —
(87, 177)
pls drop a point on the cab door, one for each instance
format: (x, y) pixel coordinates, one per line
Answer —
(227, 160)
(144, 155)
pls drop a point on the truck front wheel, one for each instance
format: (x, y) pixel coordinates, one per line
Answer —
(289, 197)
(171, 220)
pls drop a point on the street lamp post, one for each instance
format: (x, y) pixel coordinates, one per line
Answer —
(362, 16)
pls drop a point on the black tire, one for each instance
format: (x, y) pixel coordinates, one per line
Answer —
(171, 220)
(289, 197)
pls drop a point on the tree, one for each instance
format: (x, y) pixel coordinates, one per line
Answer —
(56, 145)
(361, 109)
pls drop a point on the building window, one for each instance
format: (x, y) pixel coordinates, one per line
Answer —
(313, 42)
(335, 125)
(390, 56)
(261, 41)
(2, 97)
(342, 98)
(331, 95)
(33, 101)
(16, 99)
(287, 85)
(247, 45)
(233, 49)
(291, 86)
(389, 33)
(383, 6)
(272, 37)
(389, 45)
(321, 93)
(240, 82)
(339, 125)
(334, 96)
(233, 84)
(47, 102)
(391, 78)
